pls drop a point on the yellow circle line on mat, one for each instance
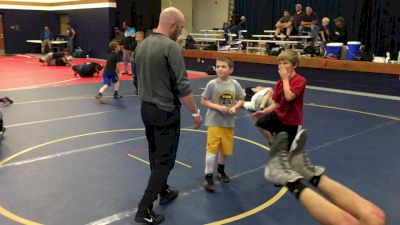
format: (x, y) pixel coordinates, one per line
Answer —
(257, 209)
(19, 219)
(252, 211)
(148, 163)
(22, 220)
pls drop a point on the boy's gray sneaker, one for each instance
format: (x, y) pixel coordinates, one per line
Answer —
(299, 159)
(278, 169)
(299, 140)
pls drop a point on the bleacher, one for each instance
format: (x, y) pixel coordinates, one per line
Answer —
(258, 42)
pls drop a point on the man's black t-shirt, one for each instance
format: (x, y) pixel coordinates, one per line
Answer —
(309, 18)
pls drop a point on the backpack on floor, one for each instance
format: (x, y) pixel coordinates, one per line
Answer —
(190, 42)
(211, 70)
(275, 51)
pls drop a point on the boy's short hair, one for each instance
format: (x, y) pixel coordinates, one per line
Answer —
(228, 60)
(325, 19)
(289, 55)
(113, 45)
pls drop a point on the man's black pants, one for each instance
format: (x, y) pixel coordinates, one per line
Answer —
(162, 133)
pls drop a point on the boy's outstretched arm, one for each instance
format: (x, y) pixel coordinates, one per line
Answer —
(257, 115)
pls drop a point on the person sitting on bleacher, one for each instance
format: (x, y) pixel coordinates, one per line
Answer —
(284, 25)
(325, 34)
(234, 28)
(297, 17)
(340, 34)
(309, 24)
(242, 23)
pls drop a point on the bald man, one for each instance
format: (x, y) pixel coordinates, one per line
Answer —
(163, 86)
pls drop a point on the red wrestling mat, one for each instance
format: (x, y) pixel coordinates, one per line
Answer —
(25, 71)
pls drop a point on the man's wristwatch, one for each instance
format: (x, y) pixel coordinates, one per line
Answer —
(196, 114)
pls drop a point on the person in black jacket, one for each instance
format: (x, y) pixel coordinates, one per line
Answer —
(340, 34)
(87, 69)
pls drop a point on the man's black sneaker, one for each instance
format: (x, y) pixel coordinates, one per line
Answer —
(223, 177)
(168, 196)
(118, 96)
(149, 217)
(2, 132)
(209, 183)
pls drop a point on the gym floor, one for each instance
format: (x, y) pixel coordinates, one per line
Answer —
(67, 160)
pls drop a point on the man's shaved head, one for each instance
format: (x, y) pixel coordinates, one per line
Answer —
(171, 14)
(171, 22)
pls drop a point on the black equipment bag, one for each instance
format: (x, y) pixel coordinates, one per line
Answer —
(190, 42)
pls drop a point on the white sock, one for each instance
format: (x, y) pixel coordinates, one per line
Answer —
(210, 161)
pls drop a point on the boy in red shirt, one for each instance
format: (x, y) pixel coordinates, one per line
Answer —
(286, 112)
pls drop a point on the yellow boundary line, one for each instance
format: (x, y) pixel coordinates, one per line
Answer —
(16, 218)
(22, 220)
(137, 158)
(252, 211)
(147, 162)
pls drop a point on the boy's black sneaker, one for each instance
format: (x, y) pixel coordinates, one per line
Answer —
(168, 196)
(209, 183)
(118, 96)
(149, 217)
(223, 177)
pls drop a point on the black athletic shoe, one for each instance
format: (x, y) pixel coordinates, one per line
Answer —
(168, 196)
(223, 177)
(209, 183)
(118, 96)
(2, 132)
(149, 217)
